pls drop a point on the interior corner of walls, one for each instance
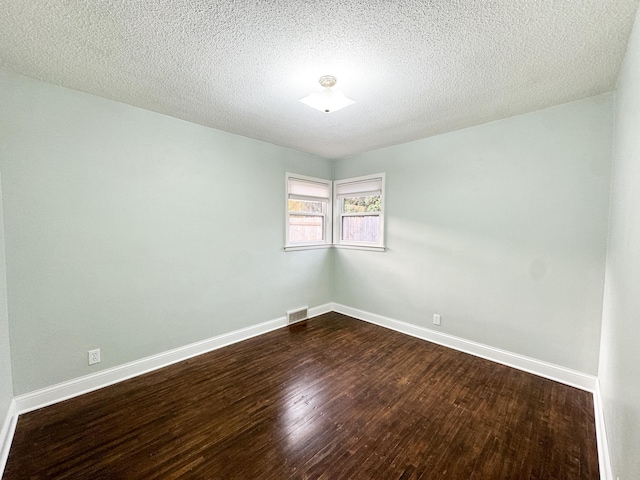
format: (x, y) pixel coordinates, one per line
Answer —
(7, 430)
(332, 287)
(604, 458)
(334, 163)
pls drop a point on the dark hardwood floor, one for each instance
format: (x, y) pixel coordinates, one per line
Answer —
(333, 398)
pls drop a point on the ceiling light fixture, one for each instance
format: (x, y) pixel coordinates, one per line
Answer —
(328, 100)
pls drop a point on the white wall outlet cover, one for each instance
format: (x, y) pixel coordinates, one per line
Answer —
(436, 319)
(94, 356)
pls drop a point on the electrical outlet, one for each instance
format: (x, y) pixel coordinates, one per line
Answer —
(94, 356)
(436, 319)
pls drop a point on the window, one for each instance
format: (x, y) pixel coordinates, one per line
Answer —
(308, 212)
(359, 212)
(354, 219)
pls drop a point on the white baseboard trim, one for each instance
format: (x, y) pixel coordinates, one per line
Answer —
(72, 388)
(6, 434)
(604, 460)
(560, 374)
(320, 310)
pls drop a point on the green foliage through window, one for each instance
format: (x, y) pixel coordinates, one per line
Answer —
(369, 203)
(305, 206)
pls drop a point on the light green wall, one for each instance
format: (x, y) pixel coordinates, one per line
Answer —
(6, 378)
(619, 353)
(136, 233)
(499, 228)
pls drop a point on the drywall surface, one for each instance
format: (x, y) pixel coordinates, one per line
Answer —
(135, 233)
(501, 229)
(619, 372)
(6, 378)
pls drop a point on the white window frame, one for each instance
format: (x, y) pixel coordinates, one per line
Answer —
(358, 186)
(332, 209)
(291, 181)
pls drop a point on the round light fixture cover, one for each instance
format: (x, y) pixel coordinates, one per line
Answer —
(328, 100)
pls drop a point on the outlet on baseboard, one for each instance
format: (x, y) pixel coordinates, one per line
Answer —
(94, 356)
(436, 319)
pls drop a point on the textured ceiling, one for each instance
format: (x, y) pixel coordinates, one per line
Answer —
(416, 68)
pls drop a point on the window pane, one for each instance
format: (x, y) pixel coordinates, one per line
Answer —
(305, 206)
(365, 228)
(305, 229)
(369, 203)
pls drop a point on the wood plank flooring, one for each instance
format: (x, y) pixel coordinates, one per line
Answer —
(332, 398)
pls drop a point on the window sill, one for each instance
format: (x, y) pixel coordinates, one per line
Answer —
(371, 248)
(294, 248)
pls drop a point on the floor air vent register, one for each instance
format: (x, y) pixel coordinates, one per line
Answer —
(295, 316)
